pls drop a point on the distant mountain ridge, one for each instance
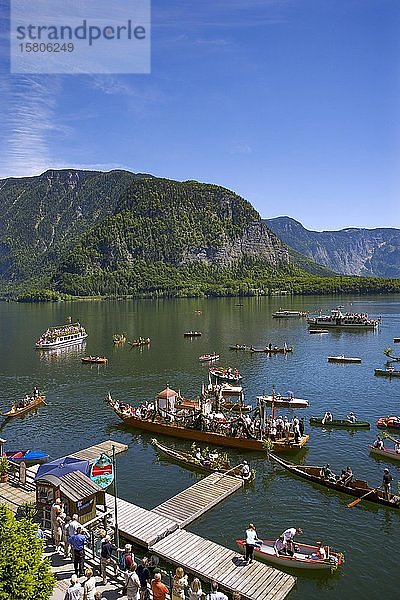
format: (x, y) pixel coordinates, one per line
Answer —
(89, 232)
(351, 251)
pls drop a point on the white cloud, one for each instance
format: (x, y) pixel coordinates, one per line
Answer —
(28, 123)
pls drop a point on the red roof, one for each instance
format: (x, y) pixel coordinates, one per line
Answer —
(167, 393)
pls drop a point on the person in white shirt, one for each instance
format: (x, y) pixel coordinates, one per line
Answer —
(251, 539)
(215, 594)
(288, 536)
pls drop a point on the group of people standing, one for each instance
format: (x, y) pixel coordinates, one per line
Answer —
(281, 427)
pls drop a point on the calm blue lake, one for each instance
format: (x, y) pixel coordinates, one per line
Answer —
(77, 416)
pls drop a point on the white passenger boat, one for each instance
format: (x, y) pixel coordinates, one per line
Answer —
(288, 314)
(337, 319)
(279, 400)
(63, 335)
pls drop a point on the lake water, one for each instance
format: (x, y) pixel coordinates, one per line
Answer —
(77, 415)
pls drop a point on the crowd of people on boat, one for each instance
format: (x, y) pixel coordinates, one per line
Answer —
(52, 333)
(275, 428)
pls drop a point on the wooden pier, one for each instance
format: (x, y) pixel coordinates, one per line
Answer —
(139, 525)
(190, 504)
(94, 452)
(212, 562)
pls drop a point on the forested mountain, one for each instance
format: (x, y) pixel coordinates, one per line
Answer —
(88, 232)
(352, 251)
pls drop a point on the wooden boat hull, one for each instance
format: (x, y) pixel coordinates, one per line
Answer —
(284, 401)
(387, 373)
(273, 350)
(318, 331)
(214, 439)
(99, 360)
(22, 411)
(136, 343)
(192, 334)
(396, 340)
(188, 460)
(385, 453)
(225, 377)
(391, 422)
(344, 359)
(340, 423)
(357, 488)
(208, 357)
(241, 347)
(301, 559)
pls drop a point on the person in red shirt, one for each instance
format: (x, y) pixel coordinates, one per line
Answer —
(159, 590)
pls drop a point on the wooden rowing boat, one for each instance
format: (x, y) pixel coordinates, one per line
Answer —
(344, 423)
(385, 452)
(192, 334)
(275, 350)
(344, 359)
(220, 465)
(387, 372)
(225, 375)
(16, 411)
(207, 357)
(391, 422)
(239, 347)
(305, 556)
(143, 342)
(356, 487)
(279, 400)
(156, 424)
(100, 360)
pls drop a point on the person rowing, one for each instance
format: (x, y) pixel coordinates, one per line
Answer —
(351, 417)
(327, 418)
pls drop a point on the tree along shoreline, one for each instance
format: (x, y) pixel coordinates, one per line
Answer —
(274, 286)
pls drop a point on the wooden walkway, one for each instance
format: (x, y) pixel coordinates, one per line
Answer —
(142, 526)
(190, 504)
(104, 448)
(212, 562)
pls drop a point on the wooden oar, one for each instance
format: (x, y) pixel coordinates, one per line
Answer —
(388, 436)
(362, 497)
(229, 471)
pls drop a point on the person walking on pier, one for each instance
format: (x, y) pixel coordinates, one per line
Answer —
(77, 543)
(107, 548)
(215, 594)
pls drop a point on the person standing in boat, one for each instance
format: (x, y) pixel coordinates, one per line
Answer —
(386, 482)
(288, 536)
(251, 539)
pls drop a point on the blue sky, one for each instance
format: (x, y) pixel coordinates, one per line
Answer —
(293, 104)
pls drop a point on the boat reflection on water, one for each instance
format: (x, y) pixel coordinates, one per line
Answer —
(63, 352)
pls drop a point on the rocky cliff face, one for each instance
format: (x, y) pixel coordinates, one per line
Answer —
(366, 252)
(85, 221)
